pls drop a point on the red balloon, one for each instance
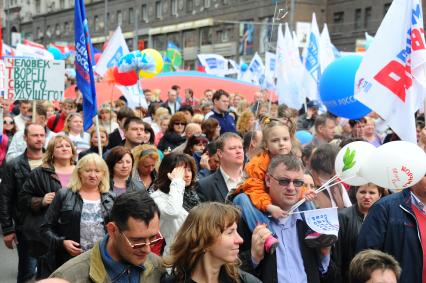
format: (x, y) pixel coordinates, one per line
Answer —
(97, 57)
(126, 79)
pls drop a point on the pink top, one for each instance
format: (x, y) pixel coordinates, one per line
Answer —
(64, 178)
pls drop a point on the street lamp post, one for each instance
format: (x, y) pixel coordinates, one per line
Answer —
(136, 19)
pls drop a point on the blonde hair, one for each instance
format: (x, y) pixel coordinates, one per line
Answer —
(202, 228)
(49, 159)
(75, 182)
(242, 124)
(242, 106)
(198, 118)
(68, 121)
(269, 123)
(143, 151)
(160, 112)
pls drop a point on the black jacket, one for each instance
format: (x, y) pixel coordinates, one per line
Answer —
(15, 174)
(212, 188)
(92, 149)
(41, 181)
(130, 186)
(114, 139)
(62, 220)
(170, 139)
(267, 268)
(223, 278)
(350, 222)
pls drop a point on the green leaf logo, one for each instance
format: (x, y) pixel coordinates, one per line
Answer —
(348, 159)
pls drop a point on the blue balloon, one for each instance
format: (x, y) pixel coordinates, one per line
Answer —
(243, 67)
(57, 55)
(337, 86)
(304, 137)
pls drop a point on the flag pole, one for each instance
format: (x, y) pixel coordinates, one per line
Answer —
(34, 111)
(98, 135)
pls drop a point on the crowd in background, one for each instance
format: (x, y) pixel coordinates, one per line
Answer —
(57, 192)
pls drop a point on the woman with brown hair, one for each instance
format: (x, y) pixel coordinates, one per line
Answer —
(103, 134)
(146, 161)
(206, 247)
(38, 192)
(211, 129)
(174, 136)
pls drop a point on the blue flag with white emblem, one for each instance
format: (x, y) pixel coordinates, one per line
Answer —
(83, 64)
(311, 60)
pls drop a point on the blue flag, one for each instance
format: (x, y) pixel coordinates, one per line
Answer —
(83, 64)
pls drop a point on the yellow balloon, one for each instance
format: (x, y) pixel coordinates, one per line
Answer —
(158, 59)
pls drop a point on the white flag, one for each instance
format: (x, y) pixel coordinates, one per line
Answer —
(255, 73)
(115, 49)
(289, 70)
(326, 49)
(33, 52)
(392, 75)
(324, 221)
(214, 64)
(270, 66)
(311, 61)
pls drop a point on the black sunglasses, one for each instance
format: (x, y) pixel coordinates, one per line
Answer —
(285, 182)
(8, 122)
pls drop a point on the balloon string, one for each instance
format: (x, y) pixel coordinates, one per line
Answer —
(320, 189)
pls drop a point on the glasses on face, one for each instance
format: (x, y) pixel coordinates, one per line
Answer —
(285, 182)
(180, 124)
(136, 246)
(5, 122)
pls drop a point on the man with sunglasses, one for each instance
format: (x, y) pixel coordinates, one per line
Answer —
(124, 255)
(293, 260)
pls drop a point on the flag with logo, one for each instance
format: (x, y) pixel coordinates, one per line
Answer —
(327, 52)
(24, 50)
(214, 64)
(324, 221)
(311, 61)
(270, 65)
(255, 73)
(84, 64)
(289, 70)
(391, 79)
(174, 55)
(115, 49)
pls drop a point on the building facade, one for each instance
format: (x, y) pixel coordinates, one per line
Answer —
(233, 28)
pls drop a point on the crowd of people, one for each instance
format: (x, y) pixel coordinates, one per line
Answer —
(199, 190)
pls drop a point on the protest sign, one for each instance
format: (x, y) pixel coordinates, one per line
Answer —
(323, 221)
(34, 79)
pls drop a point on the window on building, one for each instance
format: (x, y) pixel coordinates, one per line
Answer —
(62, 4)
(174, 7)
(386, 8)
(144, 13)
(96, 22)
(338, 18)
(358, 20)
(57, 30)
(66, 28)
(159, 42)
(119, 18)
(190, 38)
(223, 35)
(107, 20)
(367, 17)
(131, 16)
(189, 6)
(158, 11)
(39, 33)
(206, 36)
(38, 6)
(207, 3)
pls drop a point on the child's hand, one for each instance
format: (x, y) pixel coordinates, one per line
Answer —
(276, 211)
(310, 195)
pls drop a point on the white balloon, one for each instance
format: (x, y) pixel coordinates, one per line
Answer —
(360, 150)
(395, 165)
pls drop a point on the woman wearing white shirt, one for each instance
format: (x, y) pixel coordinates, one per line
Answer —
(175, 194)
(73, 128)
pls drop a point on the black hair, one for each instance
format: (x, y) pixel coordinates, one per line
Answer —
(167, 165)
(188, 108)
(136, 204)
(149, 129)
